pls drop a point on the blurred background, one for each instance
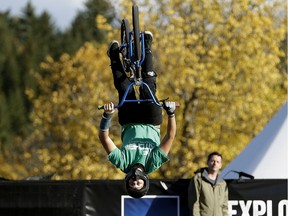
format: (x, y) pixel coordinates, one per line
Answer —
(225, 62)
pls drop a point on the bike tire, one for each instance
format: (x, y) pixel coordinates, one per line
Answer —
(125, 31)
(136, 33)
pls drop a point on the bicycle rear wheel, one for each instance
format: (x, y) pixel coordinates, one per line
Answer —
(136, 33)
(125, 30)
(125, 44)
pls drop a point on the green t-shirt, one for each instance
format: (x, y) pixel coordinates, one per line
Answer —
(140, 145)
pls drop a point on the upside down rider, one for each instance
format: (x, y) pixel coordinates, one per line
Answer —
(141, 152)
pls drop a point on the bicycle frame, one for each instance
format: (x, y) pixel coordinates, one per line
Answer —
(136, 63)
(152, 99)
(124, 100)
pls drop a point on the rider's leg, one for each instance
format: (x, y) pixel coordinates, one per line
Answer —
(121, 83)
(152, 114)
(147, 66)
(148, 73)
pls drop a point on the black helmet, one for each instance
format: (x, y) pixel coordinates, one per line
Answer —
(135, 174)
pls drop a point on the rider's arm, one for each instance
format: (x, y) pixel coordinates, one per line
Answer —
(103, 135)
(167, 141)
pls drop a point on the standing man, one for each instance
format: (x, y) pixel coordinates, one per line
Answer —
(208, 192)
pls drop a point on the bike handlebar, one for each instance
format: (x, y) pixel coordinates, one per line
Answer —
(152, 99)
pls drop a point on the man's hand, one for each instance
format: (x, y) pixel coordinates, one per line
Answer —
(169, 107)
(108, 109)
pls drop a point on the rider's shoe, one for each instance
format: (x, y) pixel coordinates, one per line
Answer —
(113, 50)
(148, 38)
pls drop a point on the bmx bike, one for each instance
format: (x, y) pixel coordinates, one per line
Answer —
(132, 49)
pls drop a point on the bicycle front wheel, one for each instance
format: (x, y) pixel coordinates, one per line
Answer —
(136, 33)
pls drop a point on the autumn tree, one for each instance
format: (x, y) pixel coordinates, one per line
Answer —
(218, 59)
(25, 42)
(66, 117)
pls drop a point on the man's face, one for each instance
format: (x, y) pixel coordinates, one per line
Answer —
(136, 184)
(215, 163)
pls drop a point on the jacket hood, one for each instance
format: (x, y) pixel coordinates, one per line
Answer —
(204, 174)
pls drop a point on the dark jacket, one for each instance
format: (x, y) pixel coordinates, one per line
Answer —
(207, 197)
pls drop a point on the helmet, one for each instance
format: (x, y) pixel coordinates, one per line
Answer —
(135, 174)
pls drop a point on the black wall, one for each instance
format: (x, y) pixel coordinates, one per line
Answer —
(102, 197)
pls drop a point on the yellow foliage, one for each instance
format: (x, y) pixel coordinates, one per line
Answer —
(66, 115)
(219, 60)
